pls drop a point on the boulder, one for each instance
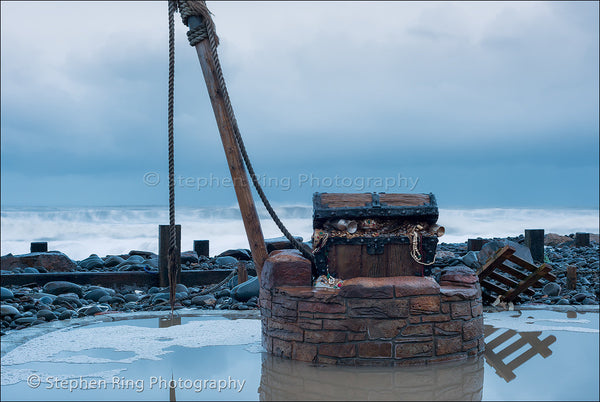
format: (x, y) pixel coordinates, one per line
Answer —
(204, 300)
(556, 240)
(280, 243)
(189, 257)
(470, 260)
(143, 254)
(6, 294)
(31, 270)
(95, 294)
(551, 289)
(240, 254)
(245, 291)
(491, 247)
(46, 315)
(113, 261)
(60, 287)
(226, 261)
(53, 261)
(92, 262)
(8, 310)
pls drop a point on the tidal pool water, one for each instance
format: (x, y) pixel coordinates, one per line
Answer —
(530, 355)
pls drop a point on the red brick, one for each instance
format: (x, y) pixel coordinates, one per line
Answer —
(308, 292)
(356, 336)
(375, 349)
(415, 319)
(385, 329)
(448, 345)
(264, 294)
(326, 316)
(419, 329)
(337, 350)
(481, 344)
(267, 342)
(304, 352)
(280, 311)
(424, 305)
(324, 336)
(284, 301)
(459, 278)
(461, 310)
(451, 292)
(354, 325)
(374, 288)
(285, 331)
(415, 286)
(318, 307)
(476, 308)
(287, 268)
(282, 348)
(435, 318)
(326, 360)
(469, 345)
(310, 324)
(377, 308)
(414, 349)
(415, 339)
(453, 327)
(473, 329)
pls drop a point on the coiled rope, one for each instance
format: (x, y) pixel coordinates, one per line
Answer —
(206, 30)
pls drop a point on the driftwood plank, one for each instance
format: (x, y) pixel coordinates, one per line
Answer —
(495, 261)
(509, 282)
(493, 287)
(529, 266)
(512, 271)
(524, 284)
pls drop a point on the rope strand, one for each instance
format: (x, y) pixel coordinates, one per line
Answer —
(172, 254)
(207, 31)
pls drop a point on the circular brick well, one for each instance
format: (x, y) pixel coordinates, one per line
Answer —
(368, 321)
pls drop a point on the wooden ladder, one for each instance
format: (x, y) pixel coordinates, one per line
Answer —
(511, 281)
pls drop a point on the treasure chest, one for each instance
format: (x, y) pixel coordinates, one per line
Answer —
(374, 234)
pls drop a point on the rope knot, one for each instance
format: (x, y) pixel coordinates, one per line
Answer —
(197, 8)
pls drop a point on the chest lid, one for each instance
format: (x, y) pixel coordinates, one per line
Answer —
(421, 207)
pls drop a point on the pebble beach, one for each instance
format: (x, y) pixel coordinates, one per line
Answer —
(24, 306)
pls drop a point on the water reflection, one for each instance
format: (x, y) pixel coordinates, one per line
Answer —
(512, 341)
(169, 321)
(284, 379)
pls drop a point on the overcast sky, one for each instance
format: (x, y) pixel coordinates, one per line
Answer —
(491, 104)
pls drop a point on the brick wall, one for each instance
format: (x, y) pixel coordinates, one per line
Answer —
(369, 321)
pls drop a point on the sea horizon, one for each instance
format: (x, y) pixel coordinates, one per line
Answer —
(79, 231)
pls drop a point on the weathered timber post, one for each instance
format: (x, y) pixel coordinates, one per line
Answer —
(571, 277)
(38, 247)
(582, 239)
(232, 152)
(534, 239)
(475, 244)
(201, 247)
(163, 254)
(242, 273)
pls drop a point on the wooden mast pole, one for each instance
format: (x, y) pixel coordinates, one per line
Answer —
(232, 153)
